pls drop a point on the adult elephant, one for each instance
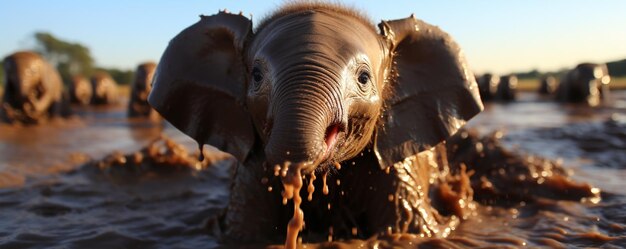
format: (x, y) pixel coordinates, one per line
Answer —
(548, 85)
(138, 105)
(33, 89)
(488, 86)
(587, 83)
(507, 88)
(317, 89)
(104, 89)
(80, 90)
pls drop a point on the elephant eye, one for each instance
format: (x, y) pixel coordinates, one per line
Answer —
(364, 77)
(257, 75)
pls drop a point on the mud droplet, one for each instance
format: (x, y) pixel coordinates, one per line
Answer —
(292, 183)
(311, 188)
(338, 182)
(201, 156)
(285, 168)
(354, 231)
(337, 166)
(325, 186)
(264, 180)
(276, 170)
(330, 234)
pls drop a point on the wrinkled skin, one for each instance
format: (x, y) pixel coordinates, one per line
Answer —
(507, 88)
(33, 89)
(296, 91)
(587, 83)
(488, 86)
(548, 85)
(80, 91)
(138, 105)
(104, 89)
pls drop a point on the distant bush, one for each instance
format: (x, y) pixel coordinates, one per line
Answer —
(533, 74)
(122, 77)
(617, 68)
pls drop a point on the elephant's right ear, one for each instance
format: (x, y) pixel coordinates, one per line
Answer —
(433, 92)
(199, 84)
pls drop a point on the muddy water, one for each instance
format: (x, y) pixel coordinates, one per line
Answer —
(56, 190)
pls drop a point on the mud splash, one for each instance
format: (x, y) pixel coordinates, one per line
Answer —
(53, 194)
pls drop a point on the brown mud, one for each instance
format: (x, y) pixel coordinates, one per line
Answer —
(99, 180)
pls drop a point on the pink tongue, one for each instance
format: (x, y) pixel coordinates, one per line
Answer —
(331, 138)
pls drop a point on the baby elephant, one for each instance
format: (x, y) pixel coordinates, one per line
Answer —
(548, 85)
(587, 83)
(33, 89)
(316, 90)
(104, 89)
(488, 86)
(138, 105)
(493, 87)
(507, 88)
(80, 90)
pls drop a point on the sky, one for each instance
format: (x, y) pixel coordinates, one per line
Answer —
(496, 36)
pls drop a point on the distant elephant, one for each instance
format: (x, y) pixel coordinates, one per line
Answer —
(81, 90)
(548, 85)
(316, 91)
(587, 83)
(138, 104)
(507, 88)
(488, 86)
(33, 89)
(104, 89)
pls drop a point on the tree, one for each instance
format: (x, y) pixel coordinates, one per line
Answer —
(69, 58)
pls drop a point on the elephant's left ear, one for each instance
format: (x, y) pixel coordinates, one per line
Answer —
(433, 92)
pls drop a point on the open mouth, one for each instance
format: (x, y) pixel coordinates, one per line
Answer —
(332, 133)
(331, 138)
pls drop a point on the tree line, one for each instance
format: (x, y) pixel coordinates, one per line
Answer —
(616, 69)
(72, 59)
(75, 59)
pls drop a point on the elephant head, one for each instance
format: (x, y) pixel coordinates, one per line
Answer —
(81, 90)
(138, 105)
(104, 89)
(586, 83)
(32, 87)
(507, 88)
(315, 85)
(488, 86)
(548, 85)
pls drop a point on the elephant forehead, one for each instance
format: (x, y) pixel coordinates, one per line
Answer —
(317, 32)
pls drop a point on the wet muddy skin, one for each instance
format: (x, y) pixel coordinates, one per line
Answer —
(99, 180)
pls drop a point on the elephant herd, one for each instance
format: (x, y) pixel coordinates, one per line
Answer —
(34, 90)
(314, 91)
(587, 83)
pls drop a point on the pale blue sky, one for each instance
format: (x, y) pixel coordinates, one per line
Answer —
(496, 36)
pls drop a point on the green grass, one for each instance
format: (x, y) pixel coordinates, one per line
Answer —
(528, 84)
(531, 85)
(618, 83)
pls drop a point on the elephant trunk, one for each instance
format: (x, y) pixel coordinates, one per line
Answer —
(305, 120)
